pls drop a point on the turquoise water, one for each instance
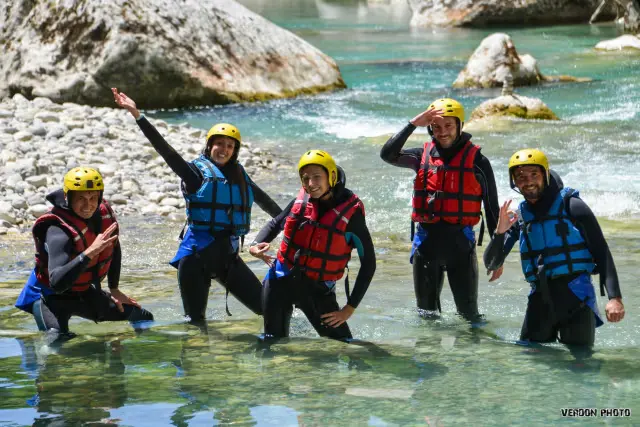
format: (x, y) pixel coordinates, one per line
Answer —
(417, 372)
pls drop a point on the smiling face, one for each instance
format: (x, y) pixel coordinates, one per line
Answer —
(530, 181)
(222, 149)
(84, 203)
(315, 180)
(445, 130)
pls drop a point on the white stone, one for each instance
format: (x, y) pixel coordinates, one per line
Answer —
(170, 201)
(626, 41)
(156, 196)
(47, 116)
(22, 136)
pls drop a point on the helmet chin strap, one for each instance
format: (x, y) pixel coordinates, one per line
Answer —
(322, 195)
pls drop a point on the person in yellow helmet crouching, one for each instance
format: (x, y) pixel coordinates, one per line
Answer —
(561, 246)
(322, 226)
(219, 196)
(77, 247)
(453, 179)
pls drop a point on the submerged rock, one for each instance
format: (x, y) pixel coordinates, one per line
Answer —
(163, 53)
(514, 106)
(620, 43)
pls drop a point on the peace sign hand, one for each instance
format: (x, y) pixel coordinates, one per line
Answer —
(507, 218)
(102, 242)
(426, 118)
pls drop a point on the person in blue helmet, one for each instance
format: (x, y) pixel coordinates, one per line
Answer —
(561, 246)
(219, 196)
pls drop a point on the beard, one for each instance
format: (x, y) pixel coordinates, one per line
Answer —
(533, 193)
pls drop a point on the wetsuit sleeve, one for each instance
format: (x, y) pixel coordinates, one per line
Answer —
(189, 174)
(63, 271)
(263, 200)
(113, 275)
(271, 230)
(484, 175)
(500, 246)
(588, 225)
(358, 228)
(393, 153)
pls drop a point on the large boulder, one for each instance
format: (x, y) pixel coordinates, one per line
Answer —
(481, 13)
(620, 43)
(163, 53)
(514, 106)
(496, 63)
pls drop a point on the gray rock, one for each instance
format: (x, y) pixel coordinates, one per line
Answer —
(495, 61)
(19, 203)
(483, 13)
(7, 213)
(37, 181)
(6, 114)
(118, 199)
(38, 129)
(108, 170)
(38, 210)
(11, 130)
(204, 53)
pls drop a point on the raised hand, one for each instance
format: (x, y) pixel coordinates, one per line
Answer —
(260, 251)
(506, 218)
(102, 242)
(426, 118)
(125, 102)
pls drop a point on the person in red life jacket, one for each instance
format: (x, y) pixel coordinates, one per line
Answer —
(561, 246)
(77, 247)
(453, 180)
(321, 227)
(219, 196)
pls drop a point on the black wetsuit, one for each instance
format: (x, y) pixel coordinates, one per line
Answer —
(446, 248)
(54, 311)
(312, 297)
(566, 315)
(219, 260)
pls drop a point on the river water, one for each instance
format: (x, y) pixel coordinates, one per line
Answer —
(416, 372)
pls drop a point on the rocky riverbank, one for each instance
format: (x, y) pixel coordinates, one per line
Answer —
(40, 140)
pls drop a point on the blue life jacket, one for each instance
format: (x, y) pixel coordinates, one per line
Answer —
(553, 241)
(217, 206)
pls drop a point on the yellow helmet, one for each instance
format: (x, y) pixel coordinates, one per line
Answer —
(528, 157)
(224, 129)
(321, 158)
(83, 179)
(450, 108)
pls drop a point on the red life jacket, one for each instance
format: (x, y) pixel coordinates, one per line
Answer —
(82, 237)
(447, 192)
(318, 246)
